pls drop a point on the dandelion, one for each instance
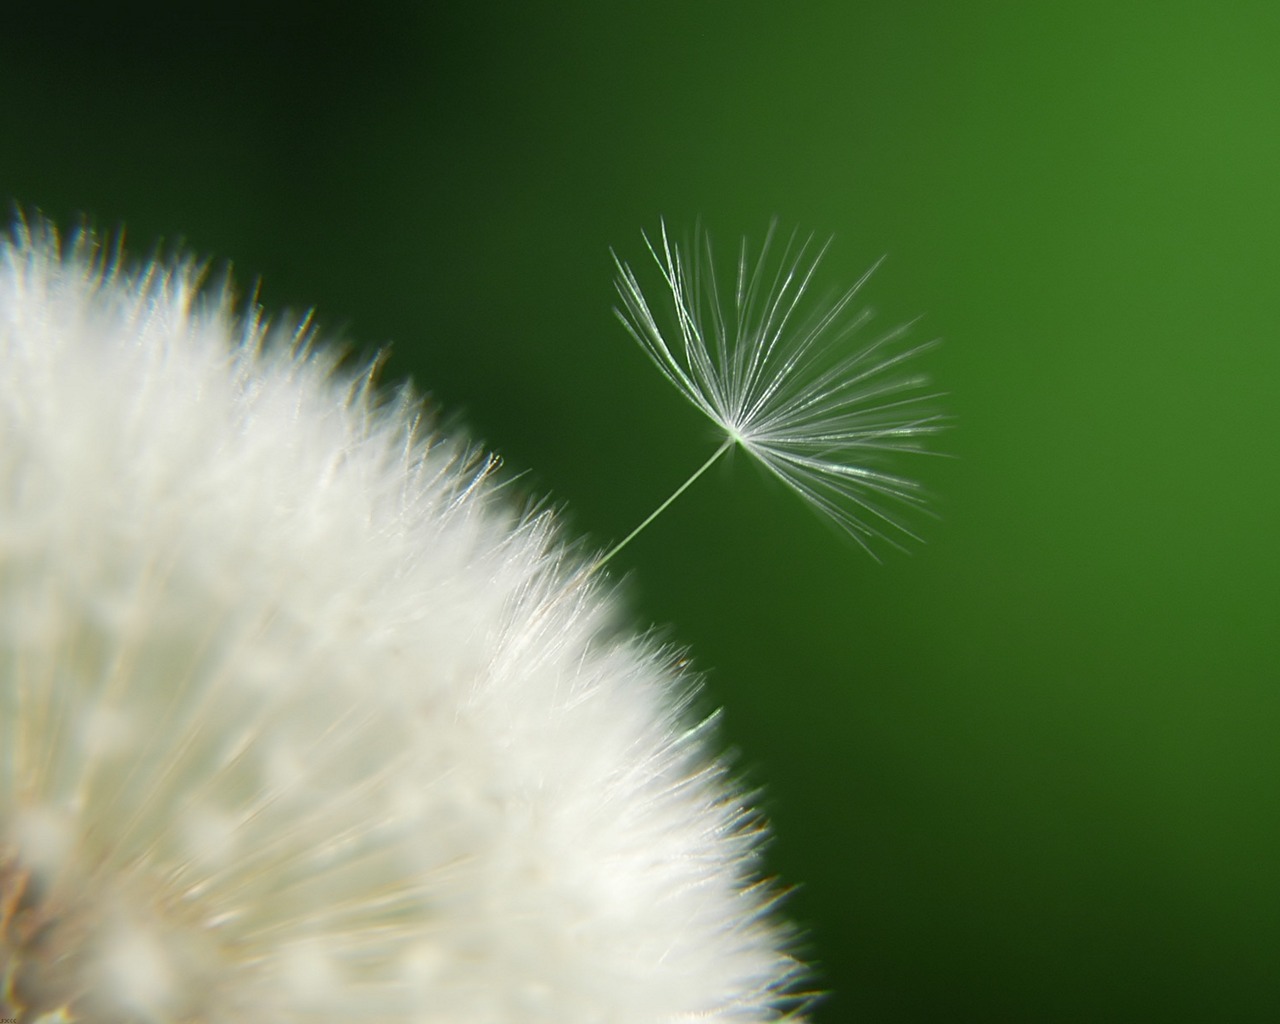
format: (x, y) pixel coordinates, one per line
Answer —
(300, 722)
(770, 367)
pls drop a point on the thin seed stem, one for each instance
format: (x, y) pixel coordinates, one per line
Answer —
(599, 562)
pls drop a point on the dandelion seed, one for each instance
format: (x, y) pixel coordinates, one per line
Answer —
(298, 722)
(773, 368)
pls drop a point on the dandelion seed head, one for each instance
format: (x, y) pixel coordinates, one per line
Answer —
(791, 377)
(299, 721)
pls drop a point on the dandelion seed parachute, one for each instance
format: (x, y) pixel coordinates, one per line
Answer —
(787, 377)
(300, 722)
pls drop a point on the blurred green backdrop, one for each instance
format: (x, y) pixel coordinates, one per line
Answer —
(1028, 772)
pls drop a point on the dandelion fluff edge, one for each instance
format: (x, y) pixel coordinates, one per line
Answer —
(299, 720)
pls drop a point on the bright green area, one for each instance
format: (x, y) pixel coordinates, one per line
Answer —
(1030, 772)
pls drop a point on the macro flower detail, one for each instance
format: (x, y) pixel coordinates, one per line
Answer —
(300, 722)
(785, 376)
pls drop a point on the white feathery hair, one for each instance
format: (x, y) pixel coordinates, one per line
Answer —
(783, 373)
(301, 721)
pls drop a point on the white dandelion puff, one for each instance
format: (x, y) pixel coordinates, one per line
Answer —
(300, 722)
(786, 376)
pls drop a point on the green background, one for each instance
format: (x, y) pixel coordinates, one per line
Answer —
(1027, 772)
